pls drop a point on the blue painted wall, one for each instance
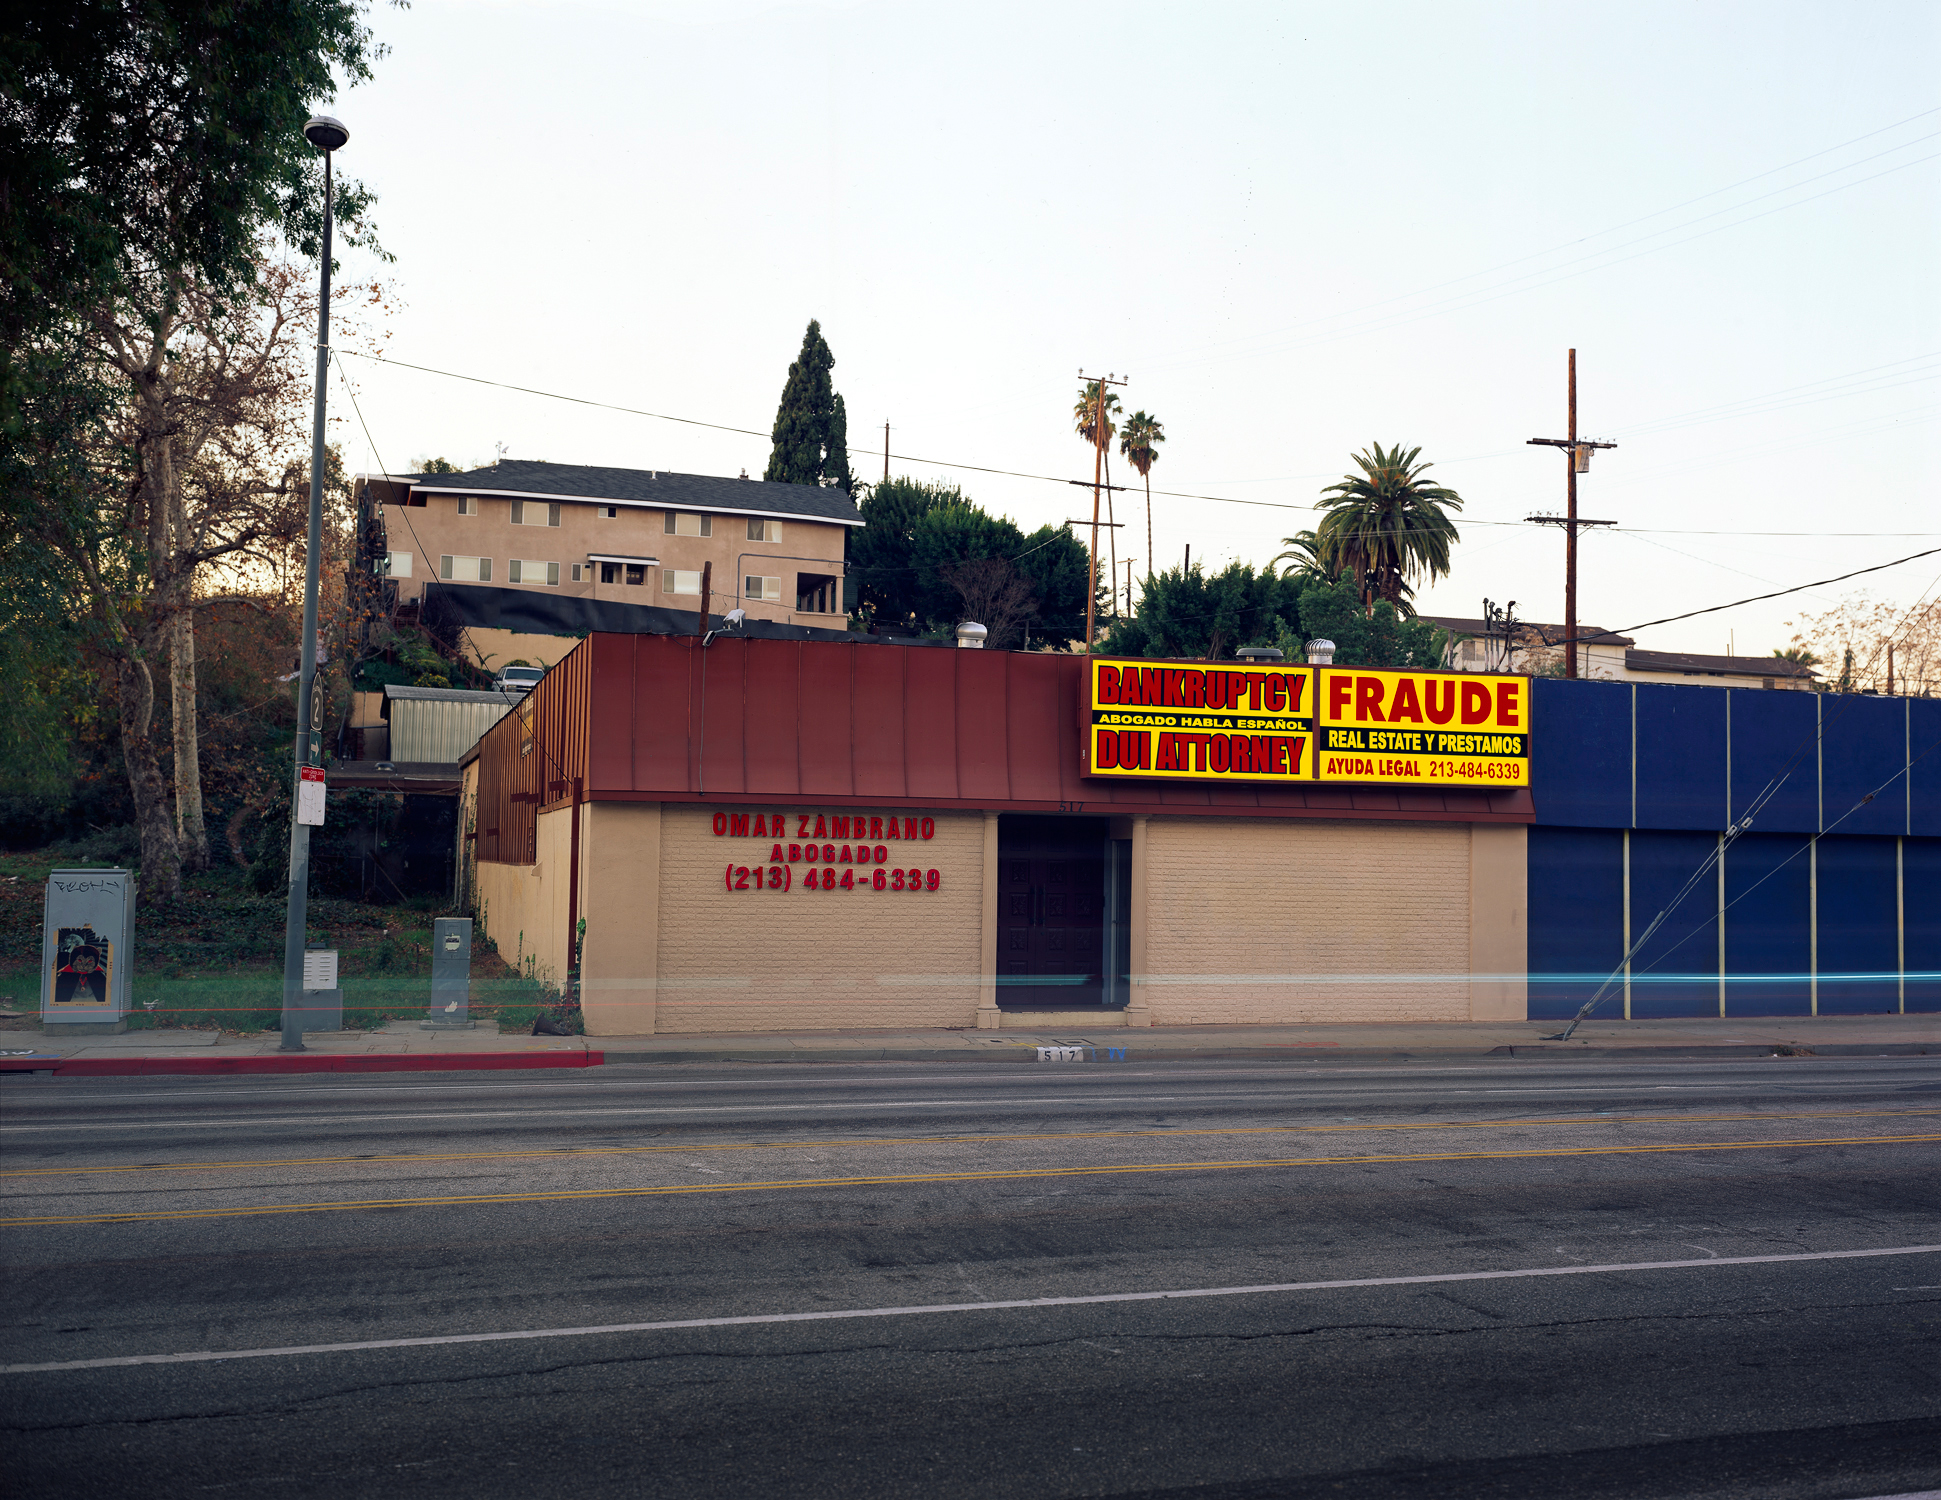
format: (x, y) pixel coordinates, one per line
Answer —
(1830, 897)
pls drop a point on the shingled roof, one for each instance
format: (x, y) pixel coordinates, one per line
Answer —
(661, 489)
(1714, 666)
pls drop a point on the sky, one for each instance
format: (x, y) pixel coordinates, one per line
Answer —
(1299, 230)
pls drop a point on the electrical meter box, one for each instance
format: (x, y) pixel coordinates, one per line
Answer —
(86, 951)
(451, 975)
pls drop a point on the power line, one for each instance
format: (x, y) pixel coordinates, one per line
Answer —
(1482, 296)
(1780, 594)
(1615, 228)
(945, 463)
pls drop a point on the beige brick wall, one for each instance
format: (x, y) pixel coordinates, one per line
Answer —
(620, 899)
(1264, 920)
(815, 960)
(522, 908)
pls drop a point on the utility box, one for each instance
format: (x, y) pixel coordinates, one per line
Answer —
(451, 975)
(86, 951)
(323, 1001)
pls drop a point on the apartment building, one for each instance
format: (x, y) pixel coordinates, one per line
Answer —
(635, 536)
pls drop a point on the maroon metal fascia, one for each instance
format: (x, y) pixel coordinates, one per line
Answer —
(855, 725)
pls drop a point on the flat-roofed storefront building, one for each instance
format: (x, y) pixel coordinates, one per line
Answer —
(762, 835)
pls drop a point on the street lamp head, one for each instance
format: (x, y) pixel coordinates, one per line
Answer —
(325, 132)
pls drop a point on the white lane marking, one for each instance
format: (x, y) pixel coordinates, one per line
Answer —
(206, 1356)
(153, 1123)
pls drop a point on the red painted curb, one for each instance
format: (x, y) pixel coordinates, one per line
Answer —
(368, 1062)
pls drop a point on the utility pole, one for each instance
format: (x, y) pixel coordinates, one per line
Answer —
(1100, 386)
(886, 453)
(1577, 460)
(328, 135)
(1131, 560)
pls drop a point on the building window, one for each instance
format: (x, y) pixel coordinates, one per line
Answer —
(534, 513)
(769, 590)
(396, 565)
(608, 512)
(764, 531)
(468, 505)
(815, 593)
(636, 573)
(465, 569)
(679, 581)
(579, 572)
(609, 572)
(525, 570)
(679, 523)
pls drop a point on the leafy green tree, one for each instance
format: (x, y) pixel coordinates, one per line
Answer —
(140, 139)
(1363, 637)
(911, 561)
(947, 537)
(811, 433)
(1189, 613)
(1387, 526)
(1139, 441)
(1059, 568)
(146, 151)
(881, 551)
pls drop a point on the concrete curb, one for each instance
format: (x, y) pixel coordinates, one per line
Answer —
(1315, 1053)
(322, 1062)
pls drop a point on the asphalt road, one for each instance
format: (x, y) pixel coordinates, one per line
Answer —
(1506, 1278)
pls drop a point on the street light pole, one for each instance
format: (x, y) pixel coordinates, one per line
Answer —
(327, 135)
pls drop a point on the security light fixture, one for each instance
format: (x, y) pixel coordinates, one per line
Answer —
(325, 132)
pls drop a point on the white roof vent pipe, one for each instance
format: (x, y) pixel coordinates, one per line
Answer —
(1320, 653)
(971, 635)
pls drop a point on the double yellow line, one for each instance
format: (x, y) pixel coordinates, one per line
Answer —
(908, 1179)
(570, 1153)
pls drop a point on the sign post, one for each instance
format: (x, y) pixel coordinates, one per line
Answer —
(86, 952)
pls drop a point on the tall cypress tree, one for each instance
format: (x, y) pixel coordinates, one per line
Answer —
(811, 429)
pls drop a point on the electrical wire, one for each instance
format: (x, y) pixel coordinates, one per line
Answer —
(1614, 229)
(1756, 598)
(944, 463)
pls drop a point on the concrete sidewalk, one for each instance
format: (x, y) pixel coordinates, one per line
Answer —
(402, 1045)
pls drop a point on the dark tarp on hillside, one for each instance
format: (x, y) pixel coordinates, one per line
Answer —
(448, 608)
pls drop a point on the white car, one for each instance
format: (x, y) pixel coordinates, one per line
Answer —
(522, 678)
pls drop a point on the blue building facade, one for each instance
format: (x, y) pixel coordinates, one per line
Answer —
(1819, 815)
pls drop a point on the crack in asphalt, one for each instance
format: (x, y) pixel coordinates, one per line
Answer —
(1362, 1329)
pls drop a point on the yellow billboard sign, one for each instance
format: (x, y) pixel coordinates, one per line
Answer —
(1441, 728)
(1179, 721)
(1266, 723)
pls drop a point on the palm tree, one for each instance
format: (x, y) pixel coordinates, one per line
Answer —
(1304, 554)
(1139, 442)
(1085, 416)
(1388, 527)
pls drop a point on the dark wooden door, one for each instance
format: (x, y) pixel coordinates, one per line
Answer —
(1051, 912)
